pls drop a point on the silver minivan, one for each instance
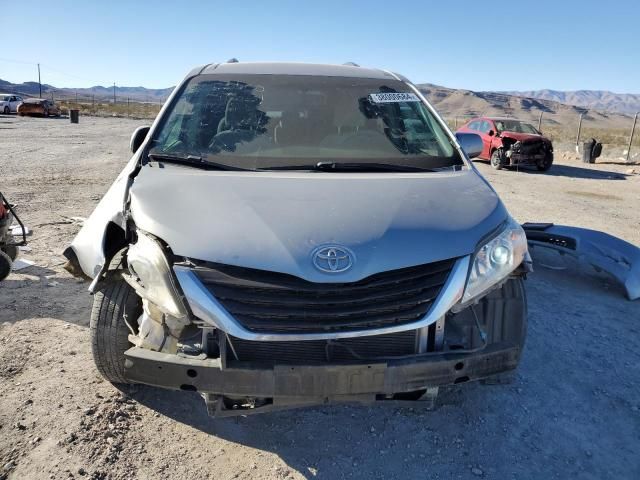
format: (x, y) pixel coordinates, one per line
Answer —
(294, 234)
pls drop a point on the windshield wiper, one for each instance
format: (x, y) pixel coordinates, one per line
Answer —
(195, 161)
(367, 167)
(350, 167)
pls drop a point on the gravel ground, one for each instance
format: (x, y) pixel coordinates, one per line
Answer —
(573, 410)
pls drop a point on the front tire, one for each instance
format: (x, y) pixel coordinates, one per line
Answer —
(545, 164)
(115, 304)
(6, 110)
(497, 159)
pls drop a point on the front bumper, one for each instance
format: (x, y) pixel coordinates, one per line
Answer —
(319, 382)
(523, 158)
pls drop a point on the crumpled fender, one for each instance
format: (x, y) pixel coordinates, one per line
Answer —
(87, 250)
(603, 251)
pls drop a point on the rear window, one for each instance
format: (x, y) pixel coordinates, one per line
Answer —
(258, 121)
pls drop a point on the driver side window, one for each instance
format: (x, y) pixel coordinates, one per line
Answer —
(485, 127)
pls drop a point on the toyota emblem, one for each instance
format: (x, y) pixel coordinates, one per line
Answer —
(333, 259)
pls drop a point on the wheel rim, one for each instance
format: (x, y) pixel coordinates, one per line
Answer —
(495, 159)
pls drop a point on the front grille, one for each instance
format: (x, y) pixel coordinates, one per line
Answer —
(323, 351)
(264, 301)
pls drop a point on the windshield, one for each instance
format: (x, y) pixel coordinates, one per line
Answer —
(275, 121)
(515, 126)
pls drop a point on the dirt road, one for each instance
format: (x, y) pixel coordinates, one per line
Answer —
(572, 412)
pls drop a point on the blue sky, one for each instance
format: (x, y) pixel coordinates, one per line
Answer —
(479, 45)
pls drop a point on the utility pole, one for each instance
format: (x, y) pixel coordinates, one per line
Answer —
(578, 134)
(633, 129)
(540, 120)
(114, 93)
(39, 83)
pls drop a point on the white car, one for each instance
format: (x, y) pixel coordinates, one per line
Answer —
(9, 103)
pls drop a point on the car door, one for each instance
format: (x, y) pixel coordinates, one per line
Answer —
(484, 129)
(14, 102)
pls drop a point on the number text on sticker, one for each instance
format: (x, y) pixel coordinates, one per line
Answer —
(393, 97)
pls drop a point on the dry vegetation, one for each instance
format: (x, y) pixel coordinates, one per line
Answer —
(108, 109)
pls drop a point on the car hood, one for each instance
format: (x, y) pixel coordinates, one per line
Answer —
(523, 137)
(275, 220)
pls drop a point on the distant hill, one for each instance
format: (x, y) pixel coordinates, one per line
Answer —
(466, 103)
(592, 99)
(139, 94)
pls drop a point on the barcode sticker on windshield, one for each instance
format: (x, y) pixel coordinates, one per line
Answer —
(393, 97)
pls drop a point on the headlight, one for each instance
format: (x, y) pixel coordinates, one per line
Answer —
(151, 275)
(495, 260)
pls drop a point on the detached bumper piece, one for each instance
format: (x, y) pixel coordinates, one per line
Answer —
(601, 250)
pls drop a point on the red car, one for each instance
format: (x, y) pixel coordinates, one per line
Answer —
(509, 141)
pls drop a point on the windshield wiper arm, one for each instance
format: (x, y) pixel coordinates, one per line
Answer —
(366, 167)
(195, 161)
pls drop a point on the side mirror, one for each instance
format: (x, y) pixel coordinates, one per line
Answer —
(491, 133)
(470, 143)
(138, 137)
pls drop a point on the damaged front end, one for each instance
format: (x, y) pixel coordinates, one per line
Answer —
(533, 151)
(247, 355)
(253, 341)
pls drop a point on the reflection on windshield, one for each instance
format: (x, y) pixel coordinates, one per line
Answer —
(257, 121)
(514, 126)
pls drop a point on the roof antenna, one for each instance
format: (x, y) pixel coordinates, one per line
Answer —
(351, 64)
(232, 60)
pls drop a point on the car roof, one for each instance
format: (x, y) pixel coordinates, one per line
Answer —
(503, 118)
(292, 68)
